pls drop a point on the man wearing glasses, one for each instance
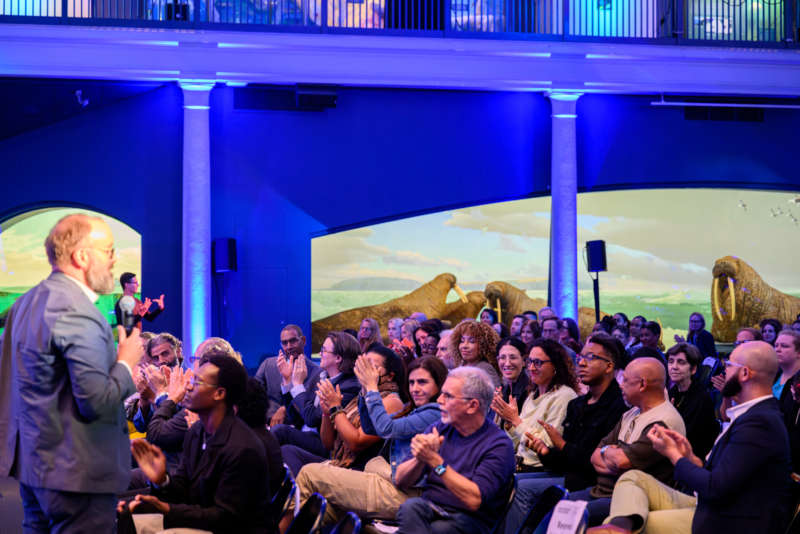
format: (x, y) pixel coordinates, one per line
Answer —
(589, 419)
(128, 309)
(63, 432)
(628, 445)
(467, 459)
(741, 486)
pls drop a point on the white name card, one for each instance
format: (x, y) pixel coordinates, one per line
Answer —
(567, 518)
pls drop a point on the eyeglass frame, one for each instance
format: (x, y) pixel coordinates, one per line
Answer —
(537, 363)
(590, 358)
(194, 381)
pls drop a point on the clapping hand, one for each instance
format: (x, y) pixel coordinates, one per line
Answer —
(367, 373)
(160, 301)
(190, 417)
(671, 444)
(157, 379)
(137, 502)
(299, 371)
(329, 394)
(536, 445)
(554, 435)
(506, 410)
(278, 417)
(151, 460)
(178, 382)
(425, 448)
(285, 368)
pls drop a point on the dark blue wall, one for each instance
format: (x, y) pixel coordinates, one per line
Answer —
(279, 178)
(123, 160)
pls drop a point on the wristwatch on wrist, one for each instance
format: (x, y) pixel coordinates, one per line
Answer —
(333, 411)
(440, 469)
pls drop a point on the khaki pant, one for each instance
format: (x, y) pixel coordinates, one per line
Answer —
(662, 509)
(369, 493)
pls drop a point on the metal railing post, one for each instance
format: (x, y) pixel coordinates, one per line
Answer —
(564, 18)
(678, 19)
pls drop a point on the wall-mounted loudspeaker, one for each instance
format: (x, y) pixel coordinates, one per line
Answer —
(223, 255)
(596, 256)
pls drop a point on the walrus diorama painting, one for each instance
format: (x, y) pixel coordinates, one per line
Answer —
(740, 298)
(430, 299)
(513, 301)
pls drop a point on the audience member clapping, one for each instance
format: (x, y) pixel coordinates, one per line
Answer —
(474, 344)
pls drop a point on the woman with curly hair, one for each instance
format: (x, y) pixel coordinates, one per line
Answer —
(553, 384)
(474, 343)
(769, 330)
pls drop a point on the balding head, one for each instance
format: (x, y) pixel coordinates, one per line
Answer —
(68, 234)
(643, 383)
(760, 357)
(652, 370)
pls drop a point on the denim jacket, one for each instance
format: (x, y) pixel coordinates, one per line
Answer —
(375, 421)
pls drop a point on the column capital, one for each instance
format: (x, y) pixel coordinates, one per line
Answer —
(195, 93)
(563, 105)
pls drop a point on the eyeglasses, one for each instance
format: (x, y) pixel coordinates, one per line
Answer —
(590, 358)
(740, 341)
(729, 363)
(537, 363)
(194, 381)
(448, 397)
(290, 341)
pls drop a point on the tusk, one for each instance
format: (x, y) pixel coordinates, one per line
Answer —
(499, 312)
(715, 298)
(733, 298)
(460, 293)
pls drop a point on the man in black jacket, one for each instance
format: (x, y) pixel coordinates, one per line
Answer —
(220, 482)
(742, 486)
(589, 419)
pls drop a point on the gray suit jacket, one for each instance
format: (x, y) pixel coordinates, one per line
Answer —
(270, 378)
(62, 423)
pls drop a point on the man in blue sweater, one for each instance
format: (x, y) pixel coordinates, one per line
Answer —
(467, 459)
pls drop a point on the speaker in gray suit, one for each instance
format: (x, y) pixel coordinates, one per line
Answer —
(63, 432)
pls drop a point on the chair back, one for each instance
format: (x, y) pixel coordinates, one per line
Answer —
(309, 519)
(350, 524)
(547, 501)
(280, 501)
(511, 490)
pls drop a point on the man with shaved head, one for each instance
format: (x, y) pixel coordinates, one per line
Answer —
(743, 484)
(63, 432)
(628, 446)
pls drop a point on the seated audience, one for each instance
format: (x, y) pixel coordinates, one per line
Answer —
(516, 325)
(219, 484)
(635, 330)
(340, 430)
(393, 327)
(770, 329)
(372, 493)
(530, 331)
(473, 344)
(531, 315)
(699, 336)
(796, 325)
(502, 330)
(464, 463)
(620, 319)
(429, 345)
(511, 358)
(293, 343)
(369, 333)
(445, 353)
(553, 385)
(164, 354)
(252, 409)
(621, 332)
(589, 419)
(628, 445)
(488, 316)
(742, 486)
(546, 313)
(169, 423)
(787, 347)
(691, 398)
(418, 317)
(337, 358)
(650, 337)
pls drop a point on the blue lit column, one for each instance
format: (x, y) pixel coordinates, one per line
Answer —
(563, 209)
(196, 216)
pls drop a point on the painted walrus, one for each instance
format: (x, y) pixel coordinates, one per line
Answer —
(457, 311)
(429, 299)
(740, 298)
(514, 301)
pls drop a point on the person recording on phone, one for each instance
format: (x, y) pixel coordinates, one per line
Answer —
(129, 310)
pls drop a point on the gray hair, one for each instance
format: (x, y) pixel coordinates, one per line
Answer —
(395, 320)
(475, 384)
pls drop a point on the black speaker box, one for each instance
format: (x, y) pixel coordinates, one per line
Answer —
(223, 255)
(596, 256)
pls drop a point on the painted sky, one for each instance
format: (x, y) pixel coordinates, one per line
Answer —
(23, 262)
(656, 241)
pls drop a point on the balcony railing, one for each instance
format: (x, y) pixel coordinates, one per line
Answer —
(742, 22)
